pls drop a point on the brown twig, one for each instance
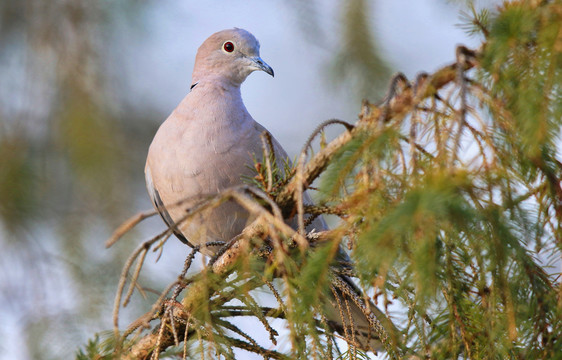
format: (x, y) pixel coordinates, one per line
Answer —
(300, 183)
(122, 280)
(128, 225)
(267, 145)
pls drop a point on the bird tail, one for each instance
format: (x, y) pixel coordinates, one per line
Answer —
(356, 318)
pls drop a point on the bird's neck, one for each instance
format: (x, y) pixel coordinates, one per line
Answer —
(218, 86)
(221, 100)
(219, 78)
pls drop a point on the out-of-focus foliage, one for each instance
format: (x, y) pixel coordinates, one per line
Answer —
(66, 169)
(358, 68)
(359, 59)
(17, 183)
(59, 131)
(450, 199)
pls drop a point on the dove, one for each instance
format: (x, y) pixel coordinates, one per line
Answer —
(209, 143)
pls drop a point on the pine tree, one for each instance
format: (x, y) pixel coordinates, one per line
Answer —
(449, 199)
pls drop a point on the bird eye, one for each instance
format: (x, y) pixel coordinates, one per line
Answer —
(228, 46)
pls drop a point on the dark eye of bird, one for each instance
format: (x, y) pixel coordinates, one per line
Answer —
(228, 46)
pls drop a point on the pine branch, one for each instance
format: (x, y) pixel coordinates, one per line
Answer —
(397, 105)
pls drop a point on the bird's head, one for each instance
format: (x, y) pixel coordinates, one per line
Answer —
(230, 55)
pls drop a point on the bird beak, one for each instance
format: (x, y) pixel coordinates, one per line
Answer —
(261, 65)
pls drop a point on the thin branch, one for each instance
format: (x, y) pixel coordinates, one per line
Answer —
(135, 277)
(122, 280)
(266, 146)
(271, 354)
(128, 226)
(301, 183)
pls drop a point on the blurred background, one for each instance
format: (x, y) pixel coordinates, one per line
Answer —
(85, 84)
